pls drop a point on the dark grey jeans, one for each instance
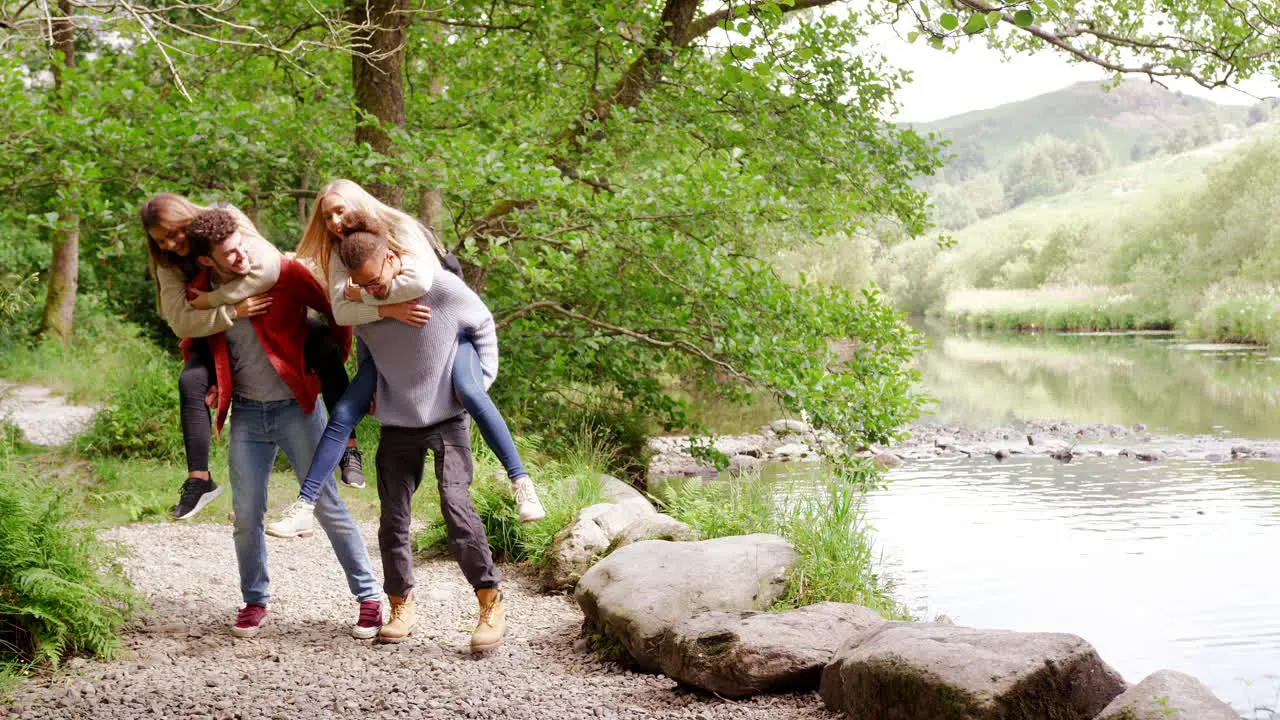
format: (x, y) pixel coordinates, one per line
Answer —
(402, 453)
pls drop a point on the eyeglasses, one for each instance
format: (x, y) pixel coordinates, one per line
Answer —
(377, 279)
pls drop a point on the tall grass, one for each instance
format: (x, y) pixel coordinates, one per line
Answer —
(59, 593)
(828, 529)
(1076, 308)
(566, 484)
(1238, 314)
(141, 417)
(102, 359)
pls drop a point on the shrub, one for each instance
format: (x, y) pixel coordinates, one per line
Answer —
(58, 593)
(141, 418)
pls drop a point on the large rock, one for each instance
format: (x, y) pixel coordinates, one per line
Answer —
(576, 546)
(613, 490)
(748, 653)
(653, 527)
(574, 549)
(790, 427)
(751, 445)
(637, 594)
(939, 672)
(744, 465)
(792, 451)
(613, 518)
(1168, 695)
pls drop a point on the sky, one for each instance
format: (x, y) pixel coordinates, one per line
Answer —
(976, 77)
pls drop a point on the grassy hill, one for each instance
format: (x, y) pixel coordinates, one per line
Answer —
(1112, 195)
(1133, 112)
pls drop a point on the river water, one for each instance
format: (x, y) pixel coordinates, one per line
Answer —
(1163, 565)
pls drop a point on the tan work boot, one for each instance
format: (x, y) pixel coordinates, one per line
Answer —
(493, 621)
(403, 619)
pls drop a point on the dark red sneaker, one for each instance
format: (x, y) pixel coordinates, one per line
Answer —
(370, 620)
(249, 621)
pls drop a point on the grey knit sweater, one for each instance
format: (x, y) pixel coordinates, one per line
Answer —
(415, 365)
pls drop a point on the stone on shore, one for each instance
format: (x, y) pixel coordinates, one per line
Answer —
(748, 653)
(653, 527)
(1168, 695)
(613, 490)
(637, 594)
(790, 427)
(887, 460)
(792, 451)
(740, 465)
(572, 551)
(941, 672)
(575, 547)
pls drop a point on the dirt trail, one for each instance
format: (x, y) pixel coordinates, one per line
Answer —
(43, 417)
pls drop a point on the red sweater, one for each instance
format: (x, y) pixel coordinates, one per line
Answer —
(283, 333)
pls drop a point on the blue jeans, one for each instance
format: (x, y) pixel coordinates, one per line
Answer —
(468, 384)
(258, 430)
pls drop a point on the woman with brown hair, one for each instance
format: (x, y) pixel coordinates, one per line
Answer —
(194, 317)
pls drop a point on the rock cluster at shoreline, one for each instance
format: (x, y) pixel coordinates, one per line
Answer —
(1062, 441)
(693, 612)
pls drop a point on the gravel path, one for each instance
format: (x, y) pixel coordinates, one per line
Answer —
(184, 663)
(44, 418)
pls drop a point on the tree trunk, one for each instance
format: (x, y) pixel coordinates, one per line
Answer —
(431, 208)
(377, 73)
(60, 301)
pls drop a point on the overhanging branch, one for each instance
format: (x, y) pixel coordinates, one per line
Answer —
(683, 346)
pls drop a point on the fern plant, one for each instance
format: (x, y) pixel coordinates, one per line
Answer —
(59, 594)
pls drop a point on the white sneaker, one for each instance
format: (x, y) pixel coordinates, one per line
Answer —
(298, 520)
(527, 503)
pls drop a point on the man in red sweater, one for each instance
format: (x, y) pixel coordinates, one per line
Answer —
(262, 375)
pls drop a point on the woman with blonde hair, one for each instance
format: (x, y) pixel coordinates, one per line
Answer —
(198, 315)
(421, 255)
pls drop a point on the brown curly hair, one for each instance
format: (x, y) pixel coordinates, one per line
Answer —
(208, 230)
(363, 237)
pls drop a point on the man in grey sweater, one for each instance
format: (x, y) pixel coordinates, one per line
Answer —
(419, 412)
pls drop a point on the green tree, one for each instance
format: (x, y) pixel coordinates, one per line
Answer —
(616, 176)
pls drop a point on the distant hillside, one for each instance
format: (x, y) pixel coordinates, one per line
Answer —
(1004, 157)
(1133, 115)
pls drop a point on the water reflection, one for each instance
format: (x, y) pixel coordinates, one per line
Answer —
(1159, 566)
(1166, 384)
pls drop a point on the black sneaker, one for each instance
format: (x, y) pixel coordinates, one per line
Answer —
(352, 467)
(196, 493)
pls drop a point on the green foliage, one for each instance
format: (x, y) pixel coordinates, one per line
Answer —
(826, 525)
(141, 417)
(132, 490)
(1080, 308)
(1049, 165)
(833, 540)
(59, 594)
(614, 248)
(719, 510)
(102, 359)
(17, 307)
(605, 645)
(1238, 312)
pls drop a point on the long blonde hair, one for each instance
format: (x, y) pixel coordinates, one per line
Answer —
(404, 234)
